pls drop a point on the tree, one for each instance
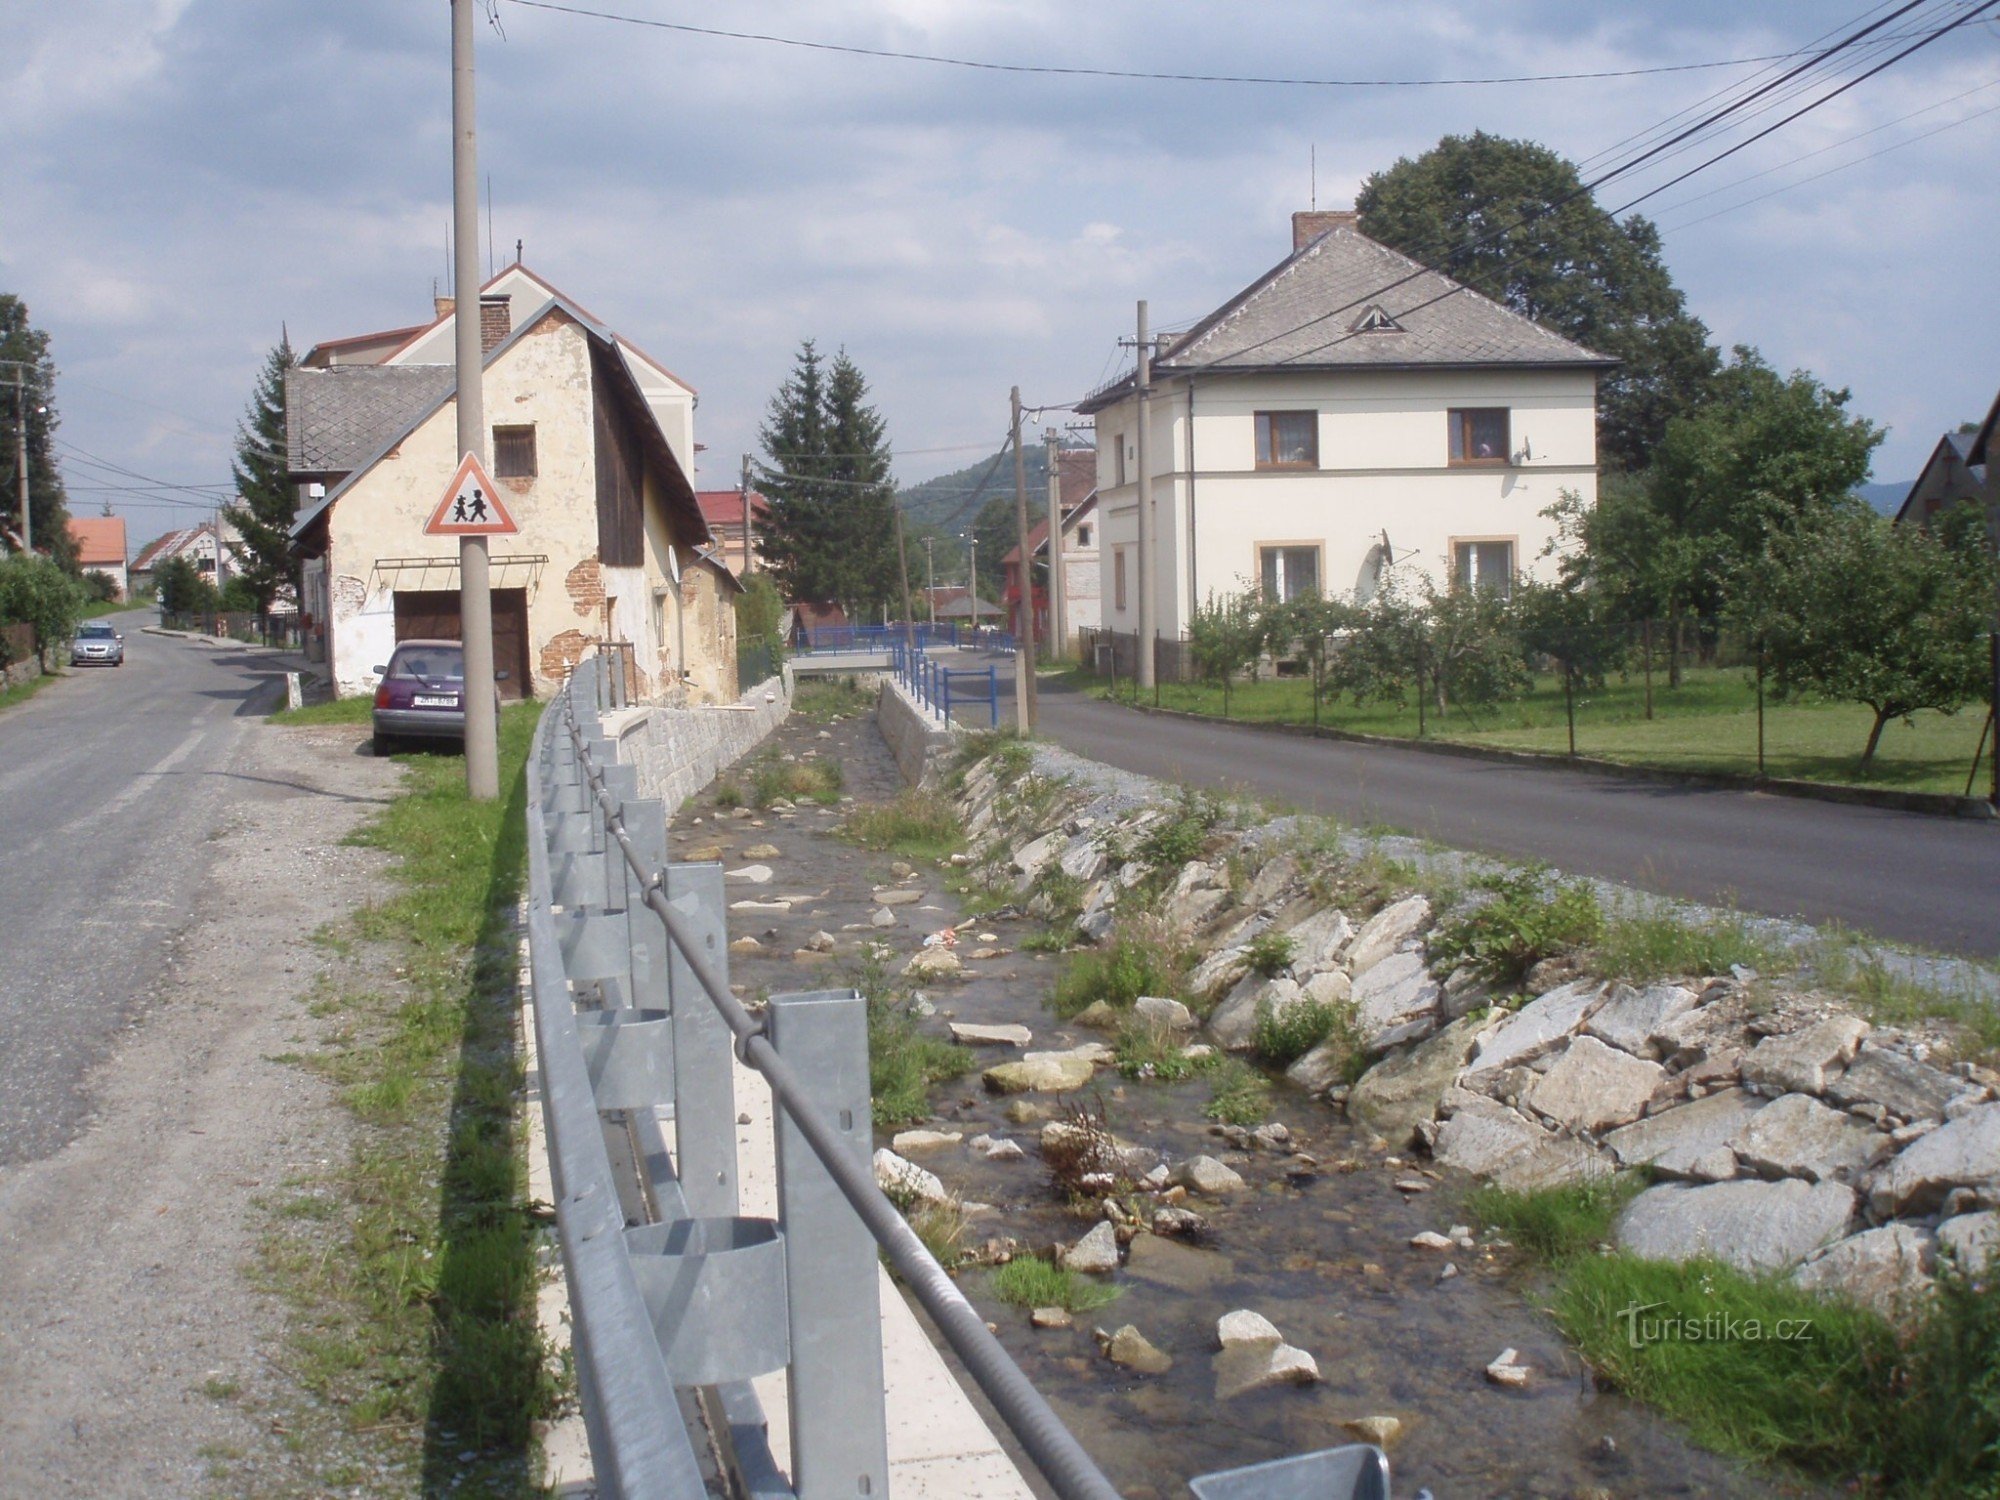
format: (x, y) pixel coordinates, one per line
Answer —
(181, 588)
(1224, 636)
(1307, 626)
(36, 591)
(266, 501)
(1855, 608)
(1509, 219)
(760, 610)
(25, 345)
(830, 533)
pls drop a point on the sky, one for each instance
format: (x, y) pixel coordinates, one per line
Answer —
(182, 180)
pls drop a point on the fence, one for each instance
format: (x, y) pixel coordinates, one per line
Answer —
(882, 637)
(633, 1012)
(756, 659)
(944, 689)
(279, 630)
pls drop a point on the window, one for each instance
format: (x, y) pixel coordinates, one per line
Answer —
(1478, 434)
(1288, 440)
(1083, 536)
(1118, 579)
(1288, 572)
(514, 452)
(1485, 565)
(1118, 462)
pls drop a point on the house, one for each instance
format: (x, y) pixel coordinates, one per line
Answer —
(100, 548)
(1076, 473)
(722, 510)
(195, 543)
(1957, 470)
(1347, 414)
(807, 623)
(591, 443)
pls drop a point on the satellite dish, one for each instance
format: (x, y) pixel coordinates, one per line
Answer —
(674, 566)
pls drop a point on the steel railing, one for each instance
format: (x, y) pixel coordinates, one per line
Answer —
(944, 689)
(635, 1012)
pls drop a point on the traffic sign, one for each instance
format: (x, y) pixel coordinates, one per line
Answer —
(472, 505)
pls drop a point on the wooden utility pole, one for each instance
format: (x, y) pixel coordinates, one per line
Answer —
(1141, 389)
(1058, 584)
(475, 595)
(1024, 642)
(21, 460)
(903, 570)
(930, 580)
(749, 537)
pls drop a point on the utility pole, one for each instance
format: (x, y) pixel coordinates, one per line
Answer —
(1142, 388)
(475, 596)
(1024, 642)
(21, 460)
(903, 571)
(749, 541)
(972, 577)
(930, 579)
(1058, 584)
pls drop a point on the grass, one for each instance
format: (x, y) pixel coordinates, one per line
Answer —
(1527, 919)
(416, 1324)
(1282, 1036)
(1238, 1094)
(1708, 724)
(1649, 942)
(943, 1230)
(903, 1060)
(920, 824)
(1152, 1049)
(823, 700)
(23, 691)
(1136, 961)
(1269, 954)
(1556, 1224)
(1031, 1282)
(772, 779)
(1890, 998)
(356, 710)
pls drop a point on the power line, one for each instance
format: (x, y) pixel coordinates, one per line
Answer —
(1134, 74)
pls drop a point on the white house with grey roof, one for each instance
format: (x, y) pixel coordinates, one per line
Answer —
(1348, 413)
(592, 443)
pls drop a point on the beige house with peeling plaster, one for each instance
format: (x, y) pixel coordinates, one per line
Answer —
(590, 442)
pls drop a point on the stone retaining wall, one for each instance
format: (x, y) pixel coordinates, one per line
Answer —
(681, 750)
(917, 737)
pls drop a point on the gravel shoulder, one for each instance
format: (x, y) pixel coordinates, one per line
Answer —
(138, 1357)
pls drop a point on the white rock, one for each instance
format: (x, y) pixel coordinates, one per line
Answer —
(752, 874)
(1964, 1153)
(1888, 1269)
(1675, 1141)
(1391, 994)
(997, 1148)
(1753, 1225)
(1490, 1140)
(1430, 1239)
(1246, 1327)
(1633, 1020)
(1208, 1177)
(1972, 1240)
(905, 1179)
(1164, 1012)
(1235, 1020)
(905, 1141)
(902, 896)
(1317, 942)
(1042, 1073)
(1539, 1028)
(1329, 987)
(1800, 1061)
(1507, 1370)
(968, 1034)
(1385, 932)
(883, 918)
(1593, 1087)
(1797, 1136)
(1256, 1367)
(1223, 966)
(933, 963)
(1906, 1088)
(1096, 1252)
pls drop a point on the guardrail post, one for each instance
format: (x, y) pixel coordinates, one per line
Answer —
(947, 695)
(704, 1086)
(839, 1448)
(992, 698)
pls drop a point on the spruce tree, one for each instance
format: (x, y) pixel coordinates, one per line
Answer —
(266, 502)
(23, 344)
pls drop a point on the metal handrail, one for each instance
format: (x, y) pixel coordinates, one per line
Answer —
(1054, 1449)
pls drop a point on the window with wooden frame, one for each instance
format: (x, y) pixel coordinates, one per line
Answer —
(1479, 434)
(1118, 459)
(1288, 440)
(1287, 572)
(1484, 563)
(1118, 579)
(514, 452)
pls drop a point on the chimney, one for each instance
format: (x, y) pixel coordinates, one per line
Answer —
(444, 307)
(496, 321)
(1307, 227)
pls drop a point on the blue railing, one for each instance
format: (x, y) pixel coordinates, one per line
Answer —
(944, 689)
(948, 633)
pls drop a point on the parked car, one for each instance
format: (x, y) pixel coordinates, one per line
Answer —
(97, 644)
(422, 695)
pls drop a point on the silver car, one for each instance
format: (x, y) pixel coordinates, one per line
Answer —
(97, 645)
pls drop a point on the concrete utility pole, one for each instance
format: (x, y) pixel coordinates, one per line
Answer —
(1024, 642)
(1142, 387)
(1058, 584)
(475, 596)
(749, 539)
(903, 571)
(930, 579)
(21, 459)
(972, 577)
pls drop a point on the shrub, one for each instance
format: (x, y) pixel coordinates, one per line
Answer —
(1082, 1157)
(1284, 1034)
(918, 823)
(1030, 1281)
(1270, 953)
(813, 780)
(1152, 1049)
(1525, 921)
(1238, 1094)
(1171, 844)
(727, 795)
(1137, 961)
(34, 591)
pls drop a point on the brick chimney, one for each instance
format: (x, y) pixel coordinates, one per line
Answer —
(496, 321)
(1307, 227)
(444, 307)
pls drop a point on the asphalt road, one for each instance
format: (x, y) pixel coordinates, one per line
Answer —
(114, 785)
(1910, 878)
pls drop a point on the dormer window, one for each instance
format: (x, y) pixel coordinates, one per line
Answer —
(1375, 320)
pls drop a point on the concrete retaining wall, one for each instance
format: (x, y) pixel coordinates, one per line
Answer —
(918, 738)
(681, 750)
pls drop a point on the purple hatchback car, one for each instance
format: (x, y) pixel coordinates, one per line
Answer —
(422, 695)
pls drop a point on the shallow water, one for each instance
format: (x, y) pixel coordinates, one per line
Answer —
(1326, 1257)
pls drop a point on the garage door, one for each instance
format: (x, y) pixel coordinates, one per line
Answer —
(432, 614)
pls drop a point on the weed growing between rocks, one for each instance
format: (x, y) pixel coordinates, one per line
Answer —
(1889, 998)
(1149, 1049)
(1179, 838)
(1269, 954)
(1056, 895)
(1559, 1223)
(942, 1228)
(1238, 1094)
(1650, 942)
(1525, 920)
(1285, 1034)
(903, 1061)
(917, 824)
(1081, 1153)
(1138, 959)
(823, 700)
(727, 795)
(808, 780)
(1029, 1281)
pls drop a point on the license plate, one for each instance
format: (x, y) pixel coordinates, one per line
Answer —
(420, 701)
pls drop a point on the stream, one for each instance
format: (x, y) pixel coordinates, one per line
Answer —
(1323, 1253)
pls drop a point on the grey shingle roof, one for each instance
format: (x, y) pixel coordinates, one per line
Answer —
(338, 418)
(1312, 312)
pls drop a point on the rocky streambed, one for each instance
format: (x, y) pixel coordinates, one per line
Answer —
(1346, 1236)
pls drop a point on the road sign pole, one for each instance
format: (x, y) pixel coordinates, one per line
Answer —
(475, 598)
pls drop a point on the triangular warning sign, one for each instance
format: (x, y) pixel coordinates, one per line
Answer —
(472, 505)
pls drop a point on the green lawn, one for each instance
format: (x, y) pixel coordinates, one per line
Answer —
(1708, 723)
(354, 710)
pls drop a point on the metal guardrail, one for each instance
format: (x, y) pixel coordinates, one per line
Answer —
(634, 1012)
(944, 689)
(882, 637)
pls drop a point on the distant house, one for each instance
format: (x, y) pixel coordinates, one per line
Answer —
(591, 442)
(1347, 413)
(1957, 471)
(723, 511)
(195, 543)
(100, 548)
(1076, 471)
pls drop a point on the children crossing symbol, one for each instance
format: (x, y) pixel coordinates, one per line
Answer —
(472, 505)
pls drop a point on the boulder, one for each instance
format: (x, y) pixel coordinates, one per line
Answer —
(1318, 940)
(1244, 1327)
(1683, 1141)
(1041, 1073)
(1972, 1240)
(1329, 987)
(1385, 932)
(1129, 1347)
(1750, 1224)
(1906, 1088)
(1272, 881)
(1797, 1136)
(933, 964)
(1030, 857)
(1223, 966)
(882, 917)
(1463, 993)
(1323, 1066)
(906, 1180)
(903, 1142)
(1391, 995)
(1100, 1015)
(1800, 1061)
(1964, 1153)
(1164, 1012)
(1539, 1027)
(1084, 860)
(763, 851)
(968, 1034)
(1208, 1177)
(1402, 1091)
(1172, 1263)
(1887, 1269)
(1633, 1020)
(1493, 1141)
(1592, 1087)
(1235, 1020)
(997, 1148)
(1194, 897)
(1379, 1430)
(1096, 1252)
(1257, 1367)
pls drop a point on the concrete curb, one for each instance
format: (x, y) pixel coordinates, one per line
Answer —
(1934, 804)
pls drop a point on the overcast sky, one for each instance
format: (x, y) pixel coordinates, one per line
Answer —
(181, 178)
